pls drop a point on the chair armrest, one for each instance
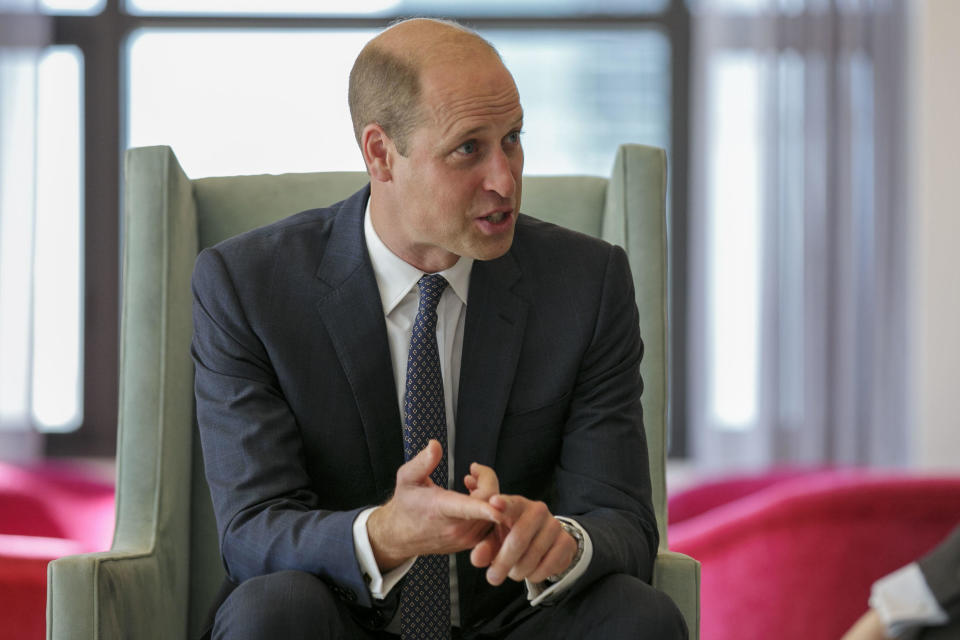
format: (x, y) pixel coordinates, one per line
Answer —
(111, 594)
(678, 576)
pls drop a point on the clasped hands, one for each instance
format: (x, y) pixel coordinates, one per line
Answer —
(509, 535)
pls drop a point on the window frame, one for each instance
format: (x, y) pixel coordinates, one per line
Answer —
(102, 40)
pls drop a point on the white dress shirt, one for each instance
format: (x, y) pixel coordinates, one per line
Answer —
(399, 295)
(904, 602)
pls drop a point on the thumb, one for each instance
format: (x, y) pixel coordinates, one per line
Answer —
(417, 470)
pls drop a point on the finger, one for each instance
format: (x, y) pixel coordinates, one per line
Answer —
(470, 483)
(487, 482)
(525, 527)
(512, 507)
(458, 506)
(486, 550)
(417, 470)
(483, 554)
(556, 560)
(541, 544)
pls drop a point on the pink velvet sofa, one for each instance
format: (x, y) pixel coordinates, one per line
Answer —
(46, 511)
(792, 554)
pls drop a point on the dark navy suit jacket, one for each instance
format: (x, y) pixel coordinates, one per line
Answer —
(941, 569)
(299, 418)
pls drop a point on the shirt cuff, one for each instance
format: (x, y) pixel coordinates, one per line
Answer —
(379, 584)
(903, 601)
(540, 592)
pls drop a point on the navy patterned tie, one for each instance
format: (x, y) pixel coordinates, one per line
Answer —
(425, 599)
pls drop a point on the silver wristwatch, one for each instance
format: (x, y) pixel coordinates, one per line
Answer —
(576, 535)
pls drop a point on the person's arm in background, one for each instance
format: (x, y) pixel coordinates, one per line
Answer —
(923, 593)
(868, 627)
(941, 570)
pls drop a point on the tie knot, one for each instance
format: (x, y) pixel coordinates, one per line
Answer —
(431, 288)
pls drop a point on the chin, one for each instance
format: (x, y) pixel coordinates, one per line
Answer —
(492, 252)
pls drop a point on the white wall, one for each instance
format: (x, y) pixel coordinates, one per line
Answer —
(935, 211)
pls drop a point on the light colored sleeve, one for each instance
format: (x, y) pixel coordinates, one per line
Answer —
(539, 592)
(903, 601)
(379, 585)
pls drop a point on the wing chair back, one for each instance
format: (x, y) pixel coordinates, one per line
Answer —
(165, 543)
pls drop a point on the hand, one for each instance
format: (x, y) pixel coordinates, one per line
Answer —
(868, 627)
(422, 518)
(535, 545)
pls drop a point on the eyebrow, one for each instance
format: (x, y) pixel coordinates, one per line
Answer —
(475, 130)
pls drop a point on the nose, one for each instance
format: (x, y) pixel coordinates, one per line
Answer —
(499, 176)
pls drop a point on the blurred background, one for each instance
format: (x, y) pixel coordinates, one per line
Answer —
(813, 294)
(813, 224)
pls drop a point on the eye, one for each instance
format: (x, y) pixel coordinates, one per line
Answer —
(467, 148)
(513, 137)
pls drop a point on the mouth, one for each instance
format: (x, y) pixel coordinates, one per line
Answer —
(497, 217)
(496, 222)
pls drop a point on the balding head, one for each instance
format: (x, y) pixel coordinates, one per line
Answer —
(385, 82)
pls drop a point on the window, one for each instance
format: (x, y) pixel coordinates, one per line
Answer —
(733, 254)
(57, 400)
(41, 269)
(250, 86)
(273, 108)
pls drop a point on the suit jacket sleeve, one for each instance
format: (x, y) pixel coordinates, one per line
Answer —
(268, 516)
(603, 478)
(941, 569)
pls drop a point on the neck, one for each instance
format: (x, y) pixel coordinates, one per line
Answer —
(427, 258)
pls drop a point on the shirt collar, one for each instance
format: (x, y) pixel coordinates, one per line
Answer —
(395, 278)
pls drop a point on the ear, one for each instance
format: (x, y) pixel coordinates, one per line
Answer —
(377, 150)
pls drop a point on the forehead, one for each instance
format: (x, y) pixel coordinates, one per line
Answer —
(472, 94)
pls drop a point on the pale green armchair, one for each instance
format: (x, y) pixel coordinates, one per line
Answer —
(164, 570)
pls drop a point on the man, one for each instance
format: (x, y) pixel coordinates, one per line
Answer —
(921, 600)
(399, 393)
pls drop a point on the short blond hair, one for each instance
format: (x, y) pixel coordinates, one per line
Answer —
(384, 83)
(384, 88)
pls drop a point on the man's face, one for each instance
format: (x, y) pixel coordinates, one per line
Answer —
(457, 193)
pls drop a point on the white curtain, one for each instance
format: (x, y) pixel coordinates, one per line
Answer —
(798, 234)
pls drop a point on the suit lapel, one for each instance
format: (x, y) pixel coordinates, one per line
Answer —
(351, 310)
(493, 332)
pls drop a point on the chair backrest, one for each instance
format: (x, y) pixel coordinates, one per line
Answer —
(162, 495)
